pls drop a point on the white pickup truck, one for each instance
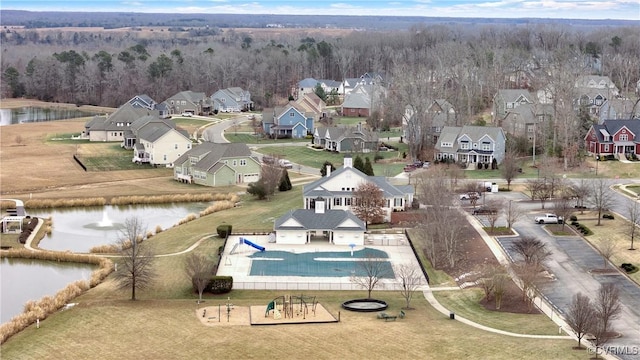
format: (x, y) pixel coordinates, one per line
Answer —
(549, 219)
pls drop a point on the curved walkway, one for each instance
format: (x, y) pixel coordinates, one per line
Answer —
(428, 294)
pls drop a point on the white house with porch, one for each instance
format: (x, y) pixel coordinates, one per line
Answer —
(471, 145)
(337, 189)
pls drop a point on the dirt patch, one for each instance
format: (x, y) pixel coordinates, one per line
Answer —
(255, 315)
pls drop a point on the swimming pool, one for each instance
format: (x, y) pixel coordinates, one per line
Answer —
(321, 263)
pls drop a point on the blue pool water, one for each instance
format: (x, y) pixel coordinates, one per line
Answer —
(321, 264)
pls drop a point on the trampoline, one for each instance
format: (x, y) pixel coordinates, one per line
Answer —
(317, 264)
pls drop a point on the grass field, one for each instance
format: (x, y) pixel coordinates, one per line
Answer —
(466, 303)
(168, 329)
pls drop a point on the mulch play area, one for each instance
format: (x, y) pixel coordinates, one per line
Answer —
(255, 315)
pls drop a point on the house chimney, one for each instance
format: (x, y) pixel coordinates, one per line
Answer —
(319, 205)
(348, 161)
(328, 170)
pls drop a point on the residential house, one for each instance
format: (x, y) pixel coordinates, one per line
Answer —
(526, 119)
(188, 102)
(614, 137)
(508, 100)
(471, 145)
(289, 121)
(592, 91)
(370, 78)
(212, 164)
(336, 226)
(112, 127)
(362, 100)
(337, 189)
(439, 112)
(232, 99)
(309, 85)
(155, 141)
(312, 104)
(346, 139)
(619, 109)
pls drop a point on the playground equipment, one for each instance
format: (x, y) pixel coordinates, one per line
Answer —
(245, 241)
(291, 306)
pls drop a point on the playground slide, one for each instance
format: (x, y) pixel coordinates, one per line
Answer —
(233, 251)
(252, 244)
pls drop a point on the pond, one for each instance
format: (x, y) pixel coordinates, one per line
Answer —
(80, 229)
(24, 280)
(39, 114)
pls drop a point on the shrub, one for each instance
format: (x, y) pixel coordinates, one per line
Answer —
(607, 216)
(224, 230)
(573, 218)
(220, 284)
(629, 268)
(377, 157)
(575, 223)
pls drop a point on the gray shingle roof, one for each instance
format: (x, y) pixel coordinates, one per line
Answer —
(329, 220)
(213, 153)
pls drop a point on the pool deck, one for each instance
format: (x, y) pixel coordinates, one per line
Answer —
(238, 265)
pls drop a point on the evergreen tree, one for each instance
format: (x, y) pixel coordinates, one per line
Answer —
(323, 169)
(358, 163)
(368, 168)
(285, 182)
(257, 189)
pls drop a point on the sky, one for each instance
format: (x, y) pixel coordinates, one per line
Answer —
(567, 9)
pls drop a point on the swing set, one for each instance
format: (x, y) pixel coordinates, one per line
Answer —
(291, 306)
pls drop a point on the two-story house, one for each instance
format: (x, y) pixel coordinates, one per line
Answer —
(309, 85)
(188, 102)
(471, 145)
(592, 91)
(155, 141)
(614, 137)
(290, 121)
(232, 99)
(526, 119)
(112, 127)
(212, 164)
(346, 139)
(338, 186)
(362, 100)
(507, 101)
(619, 109)
(438, 114)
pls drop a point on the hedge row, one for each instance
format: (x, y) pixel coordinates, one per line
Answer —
(27, 230)
(583, 229)
(629, 268)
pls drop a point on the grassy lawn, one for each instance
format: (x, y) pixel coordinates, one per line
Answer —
(390, 166)
(250, 138)
(9, 240)
(436, 277)
(466, 303)
(118, 329)
(616, 230)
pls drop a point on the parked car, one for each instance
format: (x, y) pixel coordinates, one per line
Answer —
(470, 195)
(549, 219)
(409, 168)
(285, 164)
(186, 114)
(485, 210)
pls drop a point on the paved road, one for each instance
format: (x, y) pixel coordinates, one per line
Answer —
(570, 264)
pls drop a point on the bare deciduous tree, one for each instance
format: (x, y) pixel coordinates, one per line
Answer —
(533, 251)
(607, 308)
(410, 278)
(493, 279)
(374, 270)
(581, 192)
(199, 269)
(509, 167)
(633, 214)
(530, 276)
(607, 248)
(493, 217)
(368, 202)
(601, 197)
(513, 212)
(563, 208)
(136, 269)
(581, 316)
(270, 176)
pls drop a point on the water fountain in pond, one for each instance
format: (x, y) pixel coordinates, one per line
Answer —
(105, 222)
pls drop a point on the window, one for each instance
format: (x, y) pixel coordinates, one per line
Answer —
(486, 146)
(624, 137)
(397, 202)
(606, 147)
(226, 162)
(347, 201)
(509, 105)
(337, 201)
(235, 162)
(165, 157)
(292, 114)
(176, 146)
(464, 145)
(243, 162)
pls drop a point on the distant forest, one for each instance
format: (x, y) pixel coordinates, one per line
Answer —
(464, 64)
